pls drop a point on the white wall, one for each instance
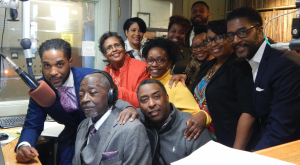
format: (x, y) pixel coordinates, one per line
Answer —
(217, 8)
(160, 11)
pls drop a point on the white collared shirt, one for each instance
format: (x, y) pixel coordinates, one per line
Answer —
(134, 51)
(98, 123)
(192, 34)
(255, 61)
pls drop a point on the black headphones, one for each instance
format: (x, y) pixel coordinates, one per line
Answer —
(112, 95)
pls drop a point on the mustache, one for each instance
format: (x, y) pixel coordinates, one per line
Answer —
(87, 106)
(241, 45)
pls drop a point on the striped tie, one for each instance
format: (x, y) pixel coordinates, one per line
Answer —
(92, 132)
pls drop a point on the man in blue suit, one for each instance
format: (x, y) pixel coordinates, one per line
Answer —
(276, 93)
(65, 81)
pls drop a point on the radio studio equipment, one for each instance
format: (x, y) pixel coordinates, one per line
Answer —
(294, 44)
(39, 91)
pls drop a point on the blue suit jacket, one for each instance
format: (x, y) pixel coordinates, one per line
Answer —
(36, 115)
(277, 102)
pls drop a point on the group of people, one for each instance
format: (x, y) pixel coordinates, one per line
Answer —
(229, 86)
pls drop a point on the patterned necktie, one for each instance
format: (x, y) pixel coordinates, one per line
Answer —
(67, 98)
(92, 132)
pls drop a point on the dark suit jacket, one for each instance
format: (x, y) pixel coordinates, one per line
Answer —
(130, 140)
(278, 104)
(36, 115)
(228, 95)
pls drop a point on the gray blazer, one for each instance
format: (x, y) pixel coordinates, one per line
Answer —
(129, 140)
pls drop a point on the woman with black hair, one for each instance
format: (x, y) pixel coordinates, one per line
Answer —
(177, 29)
(223, 88)
(134, 29)
(160, 54)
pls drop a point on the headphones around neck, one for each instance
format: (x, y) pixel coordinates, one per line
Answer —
(112, 95)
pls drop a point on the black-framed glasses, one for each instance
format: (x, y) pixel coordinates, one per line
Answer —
(241, 33)
(110, 48)
(217, 38)
(159, 61)
(201, 46)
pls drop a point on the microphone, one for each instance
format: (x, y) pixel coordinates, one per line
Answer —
(39, 91)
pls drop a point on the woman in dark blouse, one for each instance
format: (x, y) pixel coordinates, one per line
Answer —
(223, 88)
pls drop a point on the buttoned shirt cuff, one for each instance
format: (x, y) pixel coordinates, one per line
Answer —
(23, 144)
(208, 118)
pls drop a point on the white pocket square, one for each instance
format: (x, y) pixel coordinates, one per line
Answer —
(259, 89)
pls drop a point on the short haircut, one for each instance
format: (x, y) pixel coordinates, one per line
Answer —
(180, 20)
(139, 21)
(56, 44)
(219, 26)
(151, 81)
(161, 42)
(104, 82)
(200, 2)
(249, 13)
(107, 35)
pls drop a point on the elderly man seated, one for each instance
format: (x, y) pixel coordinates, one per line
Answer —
(165, 124)
(100, 138)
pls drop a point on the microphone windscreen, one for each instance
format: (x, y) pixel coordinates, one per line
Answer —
(43, 94)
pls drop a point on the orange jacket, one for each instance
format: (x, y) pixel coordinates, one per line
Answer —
(132, 73)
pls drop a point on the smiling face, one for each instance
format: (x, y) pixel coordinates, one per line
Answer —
(200, 54)
(248, 46)
(219, 50)
(176, 34)
(134, 35)
(154, 103)
(158, 70)
(56, 67)
(116, 55)
(199, 14)
(93, 96)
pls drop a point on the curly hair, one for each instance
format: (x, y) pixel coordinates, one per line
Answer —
(139, 21)
(180, 20)
(107, 35)
(218, 26)
(249, 13)
(161, 42)
(56, 44)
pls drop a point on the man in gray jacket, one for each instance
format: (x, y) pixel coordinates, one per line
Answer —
(100, 138)
(165, 124)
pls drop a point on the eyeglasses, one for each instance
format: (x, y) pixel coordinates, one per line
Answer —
(241, 33)
(159, 61)
(201, 46)
(217, 38)
(110, 48)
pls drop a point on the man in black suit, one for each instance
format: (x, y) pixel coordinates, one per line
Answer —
(276, 91)
(199, 18)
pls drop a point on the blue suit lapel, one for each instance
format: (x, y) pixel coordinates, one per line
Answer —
(262, 66)
(77, 79)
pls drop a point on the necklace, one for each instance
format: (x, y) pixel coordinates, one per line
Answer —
(211, 71)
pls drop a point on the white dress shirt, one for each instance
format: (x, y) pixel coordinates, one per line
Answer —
(255, 61)
(192, 34)
(134, 52)
(98, 124)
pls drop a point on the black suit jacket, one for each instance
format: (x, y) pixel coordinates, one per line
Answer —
(228, 95)
(276, 97)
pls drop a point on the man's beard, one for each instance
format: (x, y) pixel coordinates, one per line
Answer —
(49, 83)
(203, 21)
(252, 48)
